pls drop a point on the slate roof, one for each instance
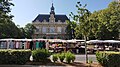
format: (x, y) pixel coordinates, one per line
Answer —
(46, 17)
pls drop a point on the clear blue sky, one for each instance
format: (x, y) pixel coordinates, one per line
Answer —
(25, 11)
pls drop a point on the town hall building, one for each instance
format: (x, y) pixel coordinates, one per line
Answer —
(51, 26)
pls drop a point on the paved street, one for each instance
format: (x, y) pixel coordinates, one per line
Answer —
(82, 58)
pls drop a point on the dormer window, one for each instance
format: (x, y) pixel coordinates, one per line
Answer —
(59, 20)
(44, 20)
(37, 20)
(52, 19)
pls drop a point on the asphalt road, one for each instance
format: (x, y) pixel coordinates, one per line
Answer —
(81, 58)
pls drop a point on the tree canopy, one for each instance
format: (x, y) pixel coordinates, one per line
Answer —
(7, 28)
(105, 23)
(29, 30)
(102, 24)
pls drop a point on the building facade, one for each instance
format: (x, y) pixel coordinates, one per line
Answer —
(117, 0)
(50, 26)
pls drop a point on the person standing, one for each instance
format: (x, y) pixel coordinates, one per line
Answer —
(31, 45)
(47, 45)
(11, 46)
(41, 44)
(17, 45)
(37, 44)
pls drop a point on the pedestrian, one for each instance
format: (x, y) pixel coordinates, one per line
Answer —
(31, 45)
(37, 44)
(47, 44)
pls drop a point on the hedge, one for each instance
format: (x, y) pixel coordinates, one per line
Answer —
(108, 58)
(41, 55)
(14, 56)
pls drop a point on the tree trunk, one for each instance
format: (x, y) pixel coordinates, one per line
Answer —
(86, 55)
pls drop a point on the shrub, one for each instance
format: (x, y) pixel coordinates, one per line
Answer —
(40, 55)
(69, 57)
(55, 57)
(72, 57)
(61, 56)
(90, 62)
(108, 59)
(101, 58)
(14, 56)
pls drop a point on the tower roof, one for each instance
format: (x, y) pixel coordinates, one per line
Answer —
(42, 17)
(52, 10)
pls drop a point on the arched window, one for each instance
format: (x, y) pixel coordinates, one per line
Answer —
(44, 30)
(37, 29)
(59, 29)
(52, 29)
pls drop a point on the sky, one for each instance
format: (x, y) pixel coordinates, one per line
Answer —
(25, 11)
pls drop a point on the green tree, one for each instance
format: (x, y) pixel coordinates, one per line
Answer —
(29, 29)
(22, 32)
(71, 29)
(105, 23)
(82, 17)
(7, 28)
